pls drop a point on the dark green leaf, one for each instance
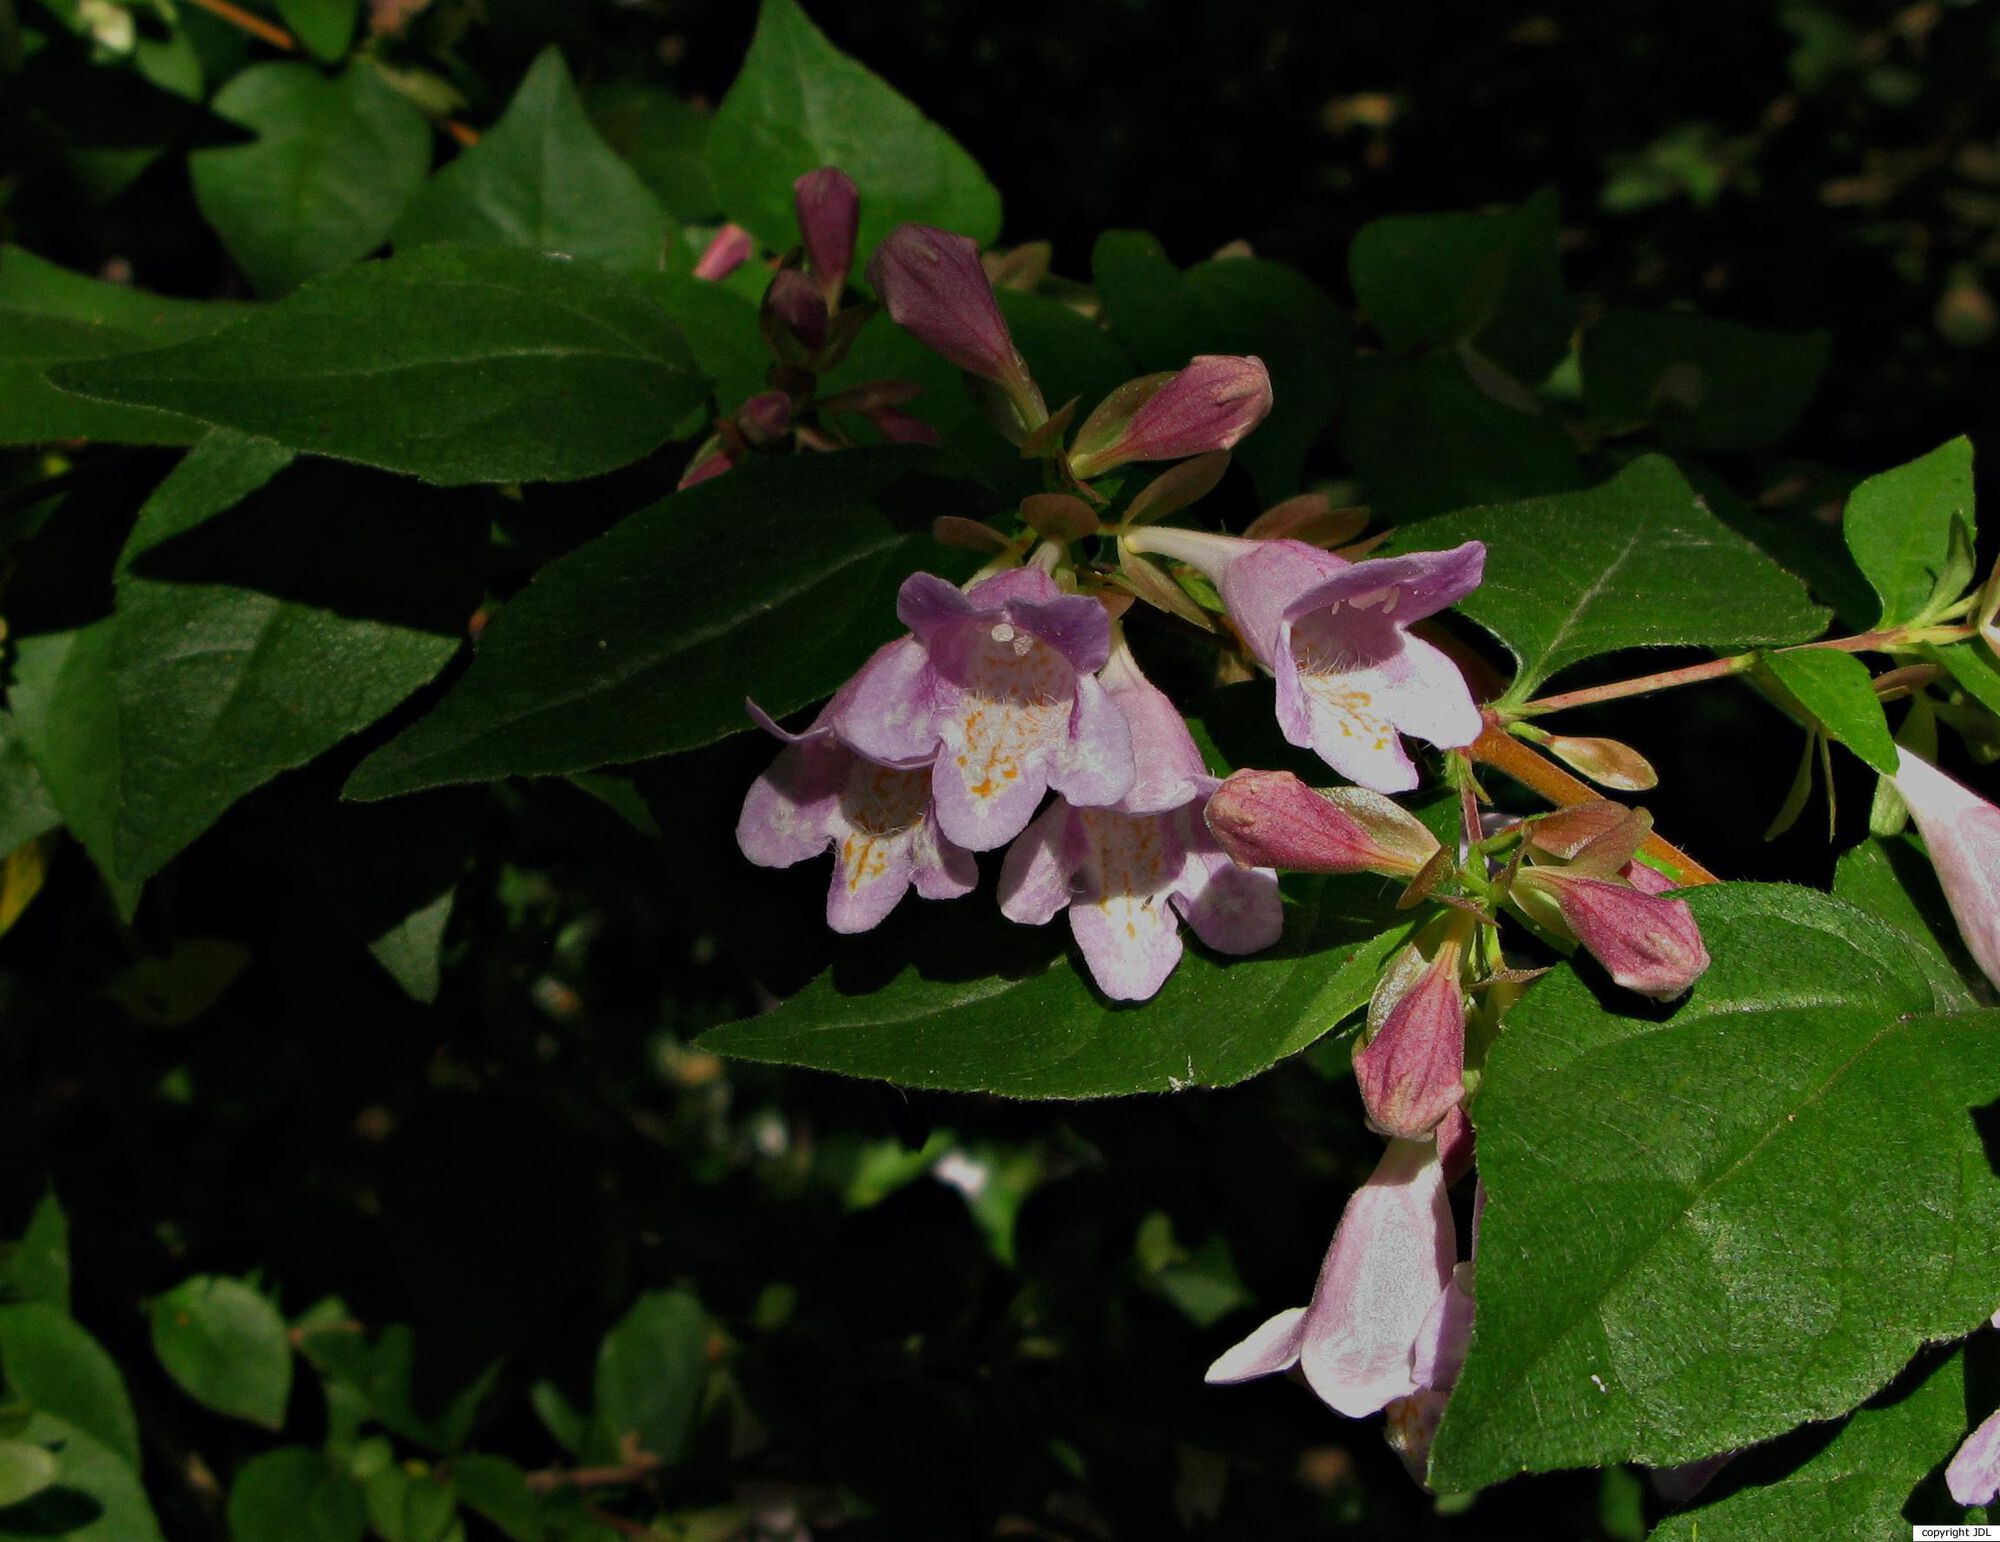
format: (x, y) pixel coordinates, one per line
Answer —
(1697, 1231)
(1894, 882)
(97, 1496)
(540, 178)
(1973, 668)
(26, 809)
(1493, 280)
(1236, 305)
(664, 139)
(1838, 693)
(651, 1370)
(50, 316)
(407, 1507)
(801, 104)
(1898, 525)
(226, 1345)
(451, 364)
(1811, 1488)
(1424, 438)
(722, 333)
(36, 1268)
(326, 27)
(985, 1009)
(1636, 562)
(776, 582)
(382, 1373)
(294, 1494)
(50, 1361)
(335, 163)
(499, 1490)
(1706, 384)
(25, 1470)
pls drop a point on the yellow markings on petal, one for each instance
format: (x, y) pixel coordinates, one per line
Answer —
(1016, 704)
(1353, 711)
(881, 808)
(1132, 865)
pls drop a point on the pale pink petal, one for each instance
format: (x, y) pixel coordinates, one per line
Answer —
(1261, 584)
(724, 254)
(1272, 1347)
(1121, 914)
(1647, 880)
(1035, 874)
(1232, 909)
(987, 782)
(1439, 1353)
(1093, 765)
(1391, 1256)
(788, 811)
(1025, 585)
(1974, 1474)
(887, 710)
(940, 869)
(1962, 833)
(881, 809)
(1410, 587)
(1427, 696)
(1350, 732)
(1169, 769)
(927, 605)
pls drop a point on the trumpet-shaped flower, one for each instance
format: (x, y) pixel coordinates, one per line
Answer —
(1351, 680)
(1961, 830)
(996, 694)
(1391, 1259)
(877, 819)
(1129, 874)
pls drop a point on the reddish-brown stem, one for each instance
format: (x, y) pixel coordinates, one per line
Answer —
(253, 24)
(1499, 749)
(633, 1471)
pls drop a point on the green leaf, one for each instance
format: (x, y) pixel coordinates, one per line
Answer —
(1973, 668)
(1636, 562)
(776, 582)
(97, 1496)
(1894, 882)
(664, 139)
(1705, 384)
(1697, 1232)
(451, 364)
(294, 1494)
(25, 1470)
(326, 27)
(1898, 525)
(36, 1268)
(722, 331)
(335, 163)
(407, 1507)
(540, 178)
(50, 316)
(1809, 1488)
(52, 1363)
(1424, 438)
(1838, 693)
(982, 1009)
(499, 1490)
(252, 640)
(227, 1347)
(800, 104)
(383, 1373)
(26, 809)
(1493, 280)
(1237, 305)
(651, 1370)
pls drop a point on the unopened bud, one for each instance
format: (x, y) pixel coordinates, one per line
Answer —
(711, 460)
(1648, 943)
(1605, 761)
(900, 427)
(1210, 405)
(1272, 819)
(727, 252)
(765, 418)
(935, 289)
(1412, 1069)
(794, 316)
(829, 211)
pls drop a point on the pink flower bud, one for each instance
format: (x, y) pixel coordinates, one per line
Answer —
(725, 254)
(1210, 405)
(829, 210)
(935, 289)
(900, 427)
(1272, 819)
(1648, 943)
(765, 418)
(794, 315)
(1961, 831)
(711, 461)
(1412, 1070)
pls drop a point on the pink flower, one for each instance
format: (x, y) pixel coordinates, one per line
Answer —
(1974, 1474)
(996, 694)
(1962, 833)
(878, 819)
(1210, 405)
(1411, 1423)
(1412, 1069)
(1648, 943)
(1129, 874)
(934, 288)
(1351, 680)
(1272, 819)
(829, 211)
(727, 252)
(1390, 1262)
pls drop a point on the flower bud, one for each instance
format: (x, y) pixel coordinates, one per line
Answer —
(765, 418)
(900, 427)
(711, 460)
(1272, 819)
(1210, 405)
(794, 317)
(1647, 943)
(725, 254)
(1412, 1069)
(1605, 761)
(934, 288)
(829, 211)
